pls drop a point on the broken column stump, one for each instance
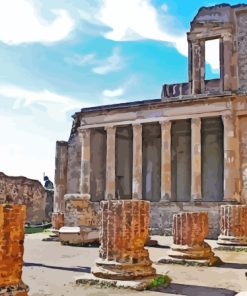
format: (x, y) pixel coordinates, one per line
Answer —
(124, 231)
(233, 225)
(12, 220)
(189, 231)
(57, 220)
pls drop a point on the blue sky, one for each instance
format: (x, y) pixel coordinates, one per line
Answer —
(58, 56)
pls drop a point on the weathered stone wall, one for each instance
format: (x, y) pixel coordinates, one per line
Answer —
(242, 48)
(79, 211)
(21, 190)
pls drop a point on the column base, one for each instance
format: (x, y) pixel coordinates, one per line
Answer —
(196, 255)
(123, 271)
(20, 289)
(232, 240)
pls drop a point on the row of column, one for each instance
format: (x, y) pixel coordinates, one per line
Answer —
(230, 158)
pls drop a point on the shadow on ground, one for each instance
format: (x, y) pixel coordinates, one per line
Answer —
(75, 269)
(189, 290)
(233, 265)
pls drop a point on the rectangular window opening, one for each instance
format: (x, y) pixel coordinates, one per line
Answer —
(212, 59)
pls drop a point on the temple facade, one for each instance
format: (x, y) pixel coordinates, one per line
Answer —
(186, 151)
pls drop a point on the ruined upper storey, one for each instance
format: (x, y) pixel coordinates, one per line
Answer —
(228, 24)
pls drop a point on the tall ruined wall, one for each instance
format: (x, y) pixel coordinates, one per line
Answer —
(241, 18)
(74, 164)
(21, 190)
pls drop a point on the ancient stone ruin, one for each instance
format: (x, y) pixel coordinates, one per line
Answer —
(233, 225)
(189, 231)
(124, 231)
(183, 152)
(21, 190)
(12, 219)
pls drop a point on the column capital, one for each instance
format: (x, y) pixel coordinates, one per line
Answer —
(84, 133)
(196, 121)
(111, 129)
(166, 124)
(227, 118)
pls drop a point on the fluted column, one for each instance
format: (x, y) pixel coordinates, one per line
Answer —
(124, 231)
(233, 225)
(196, 176)
(189, 231)
(230, 158)
(165, 160)
(85, 162)
(137, 162)
(110, 163)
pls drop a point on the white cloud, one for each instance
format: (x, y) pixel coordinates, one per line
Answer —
(113, 93)
(31, 123)
(20, 23)
(212, 54)
(113, 63)
(56, 106)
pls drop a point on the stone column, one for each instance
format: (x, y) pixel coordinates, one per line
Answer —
(197, 75)
(233, 225)
(137, 162)
(196, 191)
(85, 162)
(110, 163)
(227, 56)
(124, 230)
(12, 220)
(61, 164)
(165, 160)
(189, 231)
(231, 180)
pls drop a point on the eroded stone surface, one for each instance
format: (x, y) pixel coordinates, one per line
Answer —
(189, 232)
(21, 190)
(233, 225)
(12, 219)
(124, 231)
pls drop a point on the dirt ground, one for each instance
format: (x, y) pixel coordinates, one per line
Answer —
(50, 269)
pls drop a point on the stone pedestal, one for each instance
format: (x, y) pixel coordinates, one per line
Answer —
(12, 220)
(57, 220)
(233, 225)
(124, 231)
(189, 232)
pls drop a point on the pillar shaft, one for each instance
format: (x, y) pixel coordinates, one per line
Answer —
(124, 231)
(198, 65)
(110, 163)
(196, 176)
(85, 162)
(137, 162)
(61, 164)
(166, 161)
(230, 158)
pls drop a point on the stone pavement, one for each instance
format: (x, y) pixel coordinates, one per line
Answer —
(49, 269)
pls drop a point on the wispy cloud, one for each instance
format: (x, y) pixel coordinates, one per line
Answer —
(113, 63)
(56, 106)
(113, 92)
(20, 23)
